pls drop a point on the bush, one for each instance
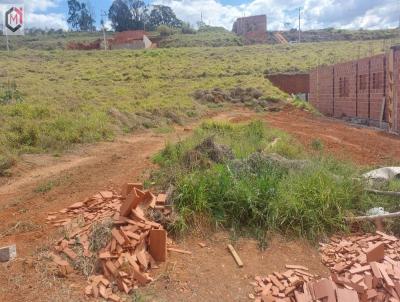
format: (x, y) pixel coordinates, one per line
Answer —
(165, 31)
(187, 28)
(257, 191)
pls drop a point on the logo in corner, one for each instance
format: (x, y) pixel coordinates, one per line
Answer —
(13, 20)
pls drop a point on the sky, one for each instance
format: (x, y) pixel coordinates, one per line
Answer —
(281, 14)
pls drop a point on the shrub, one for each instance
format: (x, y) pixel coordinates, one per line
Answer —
(187, 28)
(165, 31)
(257, 191)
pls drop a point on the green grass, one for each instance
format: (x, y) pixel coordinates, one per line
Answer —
(216, 38)
(255, 193)
(69, 97)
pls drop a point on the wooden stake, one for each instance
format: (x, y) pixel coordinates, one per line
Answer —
(235, 256)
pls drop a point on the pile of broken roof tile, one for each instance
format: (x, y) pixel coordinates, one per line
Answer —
(363, 268)
(136, 244)
(287, 286)
(368, 264)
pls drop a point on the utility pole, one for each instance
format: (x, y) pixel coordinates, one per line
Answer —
(103, 15)
(299, 24)
(7, 42)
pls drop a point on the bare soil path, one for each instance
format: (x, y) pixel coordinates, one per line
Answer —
(45, 184)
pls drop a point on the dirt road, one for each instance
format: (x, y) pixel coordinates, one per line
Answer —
(47, 184)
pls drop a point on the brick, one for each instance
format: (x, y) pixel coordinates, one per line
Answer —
(131, 201)
(161, 198)
(8, 253)
(158, 245)
(277, 283)
(376, 252)
(346, 295)
(118, 237)
(325, 289)
(128, 187)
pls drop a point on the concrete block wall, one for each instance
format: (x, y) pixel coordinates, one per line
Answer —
(356, 89)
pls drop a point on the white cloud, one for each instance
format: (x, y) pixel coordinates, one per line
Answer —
(46, 21)
(37, 13)
(315, 13)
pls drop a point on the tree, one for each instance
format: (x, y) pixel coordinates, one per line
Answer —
(139, 13)
(120, 16)
(86, 20)
(74, 8)
(80, 16)
(163, 15)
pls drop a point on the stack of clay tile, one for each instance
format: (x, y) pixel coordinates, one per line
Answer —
(368, 264)
(291, 285)
(136, 245)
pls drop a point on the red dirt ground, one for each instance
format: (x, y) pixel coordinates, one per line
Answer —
(364, 146)
(210, 273)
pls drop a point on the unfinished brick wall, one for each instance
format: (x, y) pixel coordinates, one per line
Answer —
(377, 86)
(253, 28)
(397, 80)
(357, 89)
(321, 89)
(345, 89)
(291, 83)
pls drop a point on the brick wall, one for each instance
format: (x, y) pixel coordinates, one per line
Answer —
(377, 86)
(397, 78)
(355, 89)
(253, 28)
(345, 89)
(291, 83)
(321, 89)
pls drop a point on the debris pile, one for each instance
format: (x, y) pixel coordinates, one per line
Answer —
(291, 285)
(363, 268)
(248, 96)
(368, 264)
(134, 246)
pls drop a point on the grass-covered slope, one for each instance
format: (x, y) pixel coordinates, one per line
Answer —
(64, 97)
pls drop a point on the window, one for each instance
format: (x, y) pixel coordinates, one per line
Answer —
(363, 82)
(343, 87)
(377, 80)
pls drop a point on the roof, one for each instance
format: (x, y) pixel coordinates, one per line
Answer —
(128, 36)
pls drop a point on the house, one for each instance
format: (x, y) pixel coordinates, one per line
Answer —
(132, 39)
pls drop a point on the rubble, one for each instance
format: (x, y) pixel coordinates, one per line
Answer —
(252, 97)
(363, 268)
(292, 285)
(368, 264)
(135, 243)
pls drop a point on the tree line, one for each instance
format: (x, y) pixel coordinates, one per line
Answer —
(123, 15)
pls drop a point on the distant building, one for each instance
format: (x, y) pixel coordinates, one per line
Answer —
(132, 39)
(253, 28)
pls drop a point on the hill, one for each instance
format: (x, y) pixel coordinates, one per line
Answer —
(331, 34)
(50, 100)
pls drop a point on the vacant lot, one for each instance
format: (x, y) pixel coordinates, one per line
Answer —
(65, 97)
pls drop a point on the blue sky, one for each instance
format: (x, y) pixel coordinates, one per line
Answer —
(282, 14)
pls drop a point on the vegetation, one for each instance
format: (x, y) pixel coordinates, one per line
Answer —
(332, 34)
(206, 36)
(73, 97)
(81, 16)
(257, 190)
